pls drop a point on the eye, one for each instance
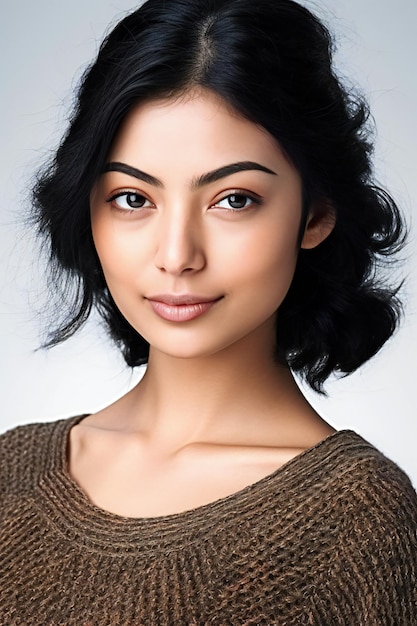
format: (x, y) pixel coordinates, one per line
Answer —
(237, 201)
(129, 201)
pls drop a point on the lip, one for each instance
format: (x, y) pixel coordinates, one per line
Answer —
(179, 299)
(180, 308)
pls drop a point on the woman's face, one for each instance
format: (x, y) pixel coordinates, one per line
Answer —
(196, 223)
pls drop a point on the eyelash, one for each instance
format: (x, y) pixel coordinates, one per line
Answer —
(237, 193)
(125, 193)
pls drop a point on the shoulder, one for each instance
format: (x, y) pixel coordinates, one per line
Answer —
(355, 507)
(334, 532)
(370, 512)
(365, 472)
(361, 483)
(27, 451)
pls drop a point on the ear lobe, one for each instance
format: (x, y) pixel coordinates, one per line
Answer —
(320, 223)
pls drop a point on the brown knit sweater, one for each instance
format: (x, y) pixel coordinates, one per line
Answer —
(328, 539)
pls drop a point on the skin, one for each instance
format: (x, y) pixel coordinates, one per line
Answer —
(214, 411)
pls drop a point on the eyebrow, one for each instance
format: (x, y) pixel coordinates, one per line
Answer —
(132, 171)
(196, 183)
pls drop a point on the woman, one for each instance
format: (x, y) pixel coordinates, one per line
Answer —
(213, 200)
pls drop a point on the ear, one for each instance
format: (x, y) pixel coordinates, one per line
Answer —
(320, 223)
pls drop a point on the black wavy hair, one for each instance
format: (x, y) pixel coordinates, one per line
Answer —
(271, 60)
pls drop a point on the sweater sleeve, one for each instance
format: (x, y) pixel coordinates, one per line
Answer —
(372, 576)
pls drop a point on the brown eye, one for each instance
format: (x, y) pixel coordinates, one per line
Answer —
(237, 201)
(134, 200)
(129, 201)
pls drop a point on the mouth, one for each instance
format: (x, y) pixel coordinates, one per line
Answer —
(180, 308)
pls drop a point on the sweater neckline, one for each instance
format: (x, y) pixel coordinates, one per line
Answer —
(73, 514)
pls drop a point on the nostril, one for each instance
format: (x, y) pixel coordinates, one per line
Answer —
(177, 259)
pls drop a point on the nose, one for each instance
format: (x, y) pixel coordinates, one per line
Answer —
(180, 245)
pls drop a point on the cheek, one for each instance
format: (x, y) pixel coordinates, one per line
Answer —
(266, 263)
(118, 253)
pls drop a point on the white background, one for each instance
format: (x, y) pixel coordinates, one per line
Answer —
(44, 47)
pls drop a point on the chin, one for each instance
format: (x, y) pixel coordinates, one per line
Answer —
(182, 352)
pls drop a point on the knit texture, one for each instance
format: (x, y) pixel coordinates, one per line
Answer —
(328, 539)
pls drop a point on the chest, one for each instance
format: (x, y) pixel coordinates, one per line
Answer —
(253, 567)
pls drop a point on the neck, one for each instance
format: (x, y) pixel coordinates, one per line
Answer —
(215, 397)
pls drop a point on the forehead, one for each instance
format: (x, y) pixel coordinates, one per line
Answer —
(197, 129)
